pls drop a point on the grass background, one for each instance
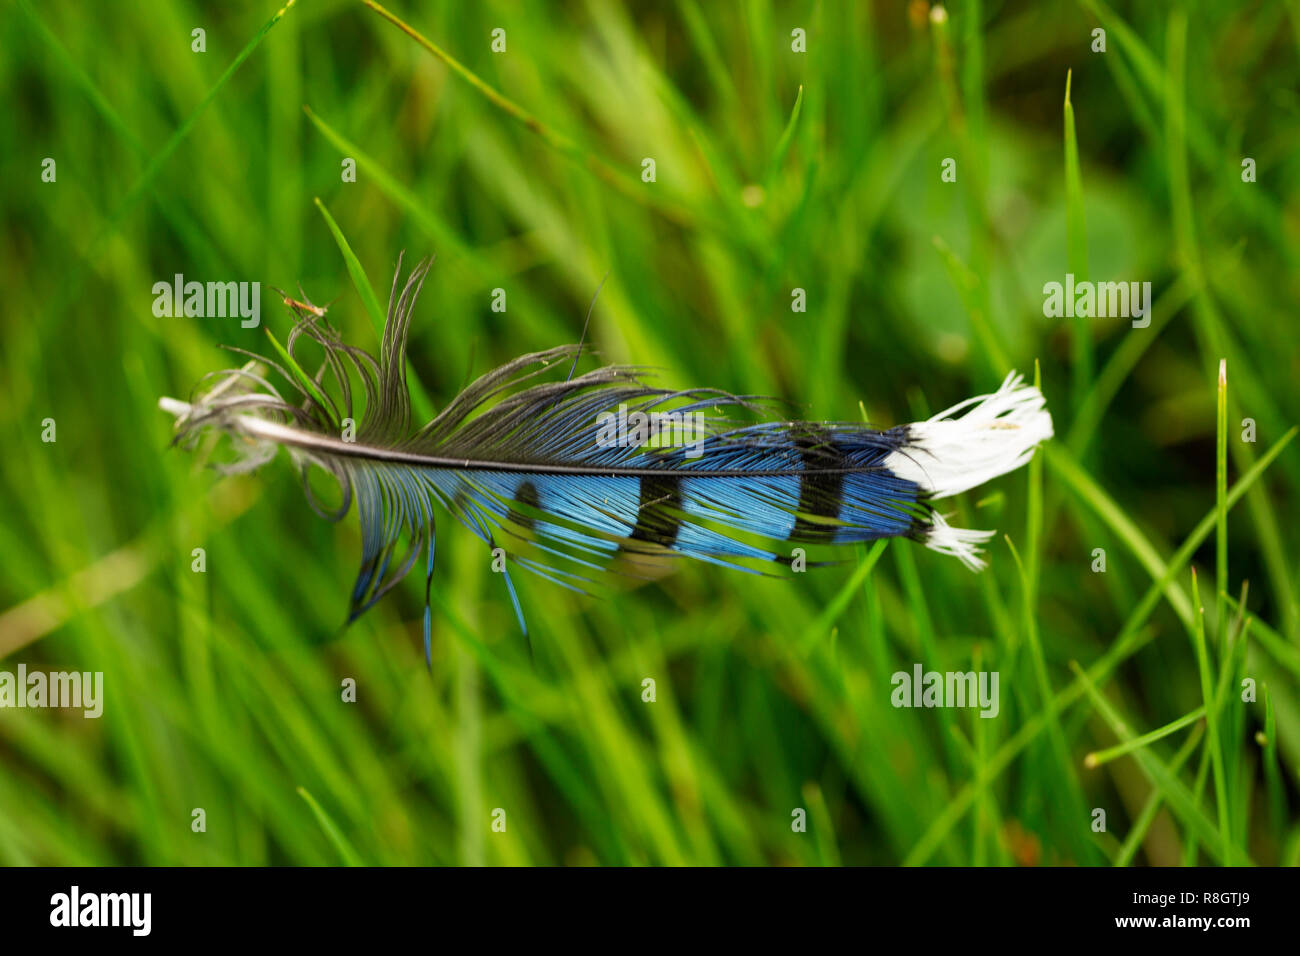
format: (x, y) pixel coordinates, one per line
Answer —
(775, 170)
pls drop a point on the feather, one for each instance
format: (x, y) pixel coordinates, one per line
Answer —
(565, 486)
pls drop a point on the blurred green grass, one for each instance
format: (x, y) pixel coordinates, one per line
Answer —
(775, 170)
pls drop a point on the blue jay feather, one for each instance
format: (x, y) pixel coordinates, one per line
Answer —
(522, 461)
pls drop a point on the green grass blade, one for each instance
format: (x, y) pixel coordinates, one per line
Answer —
(1213, 738)
(306, 381)
(787, 137)
(1099, 757)
(356, 272)
(557, 141)
(420, 401)
(335, 835)
(1179, 798)
(1220, 500)
(1077, 256)
(1142, 825)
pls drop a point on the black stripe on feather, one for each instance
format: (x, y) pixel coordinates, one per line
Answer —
(820, 493)
(528, 497)
(658, 511)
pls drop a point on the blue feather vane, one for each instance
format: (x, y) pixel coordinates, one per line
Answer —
(597, 473)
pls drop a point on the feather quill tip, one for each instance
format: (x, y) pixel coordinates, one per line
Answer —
(177, 409)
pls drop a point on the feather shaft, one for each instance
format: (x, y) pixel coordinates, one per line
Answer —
(298, 438)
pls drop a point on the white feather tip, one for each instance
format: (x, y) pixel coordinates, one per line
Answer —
(960, 543)
(947, 455)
